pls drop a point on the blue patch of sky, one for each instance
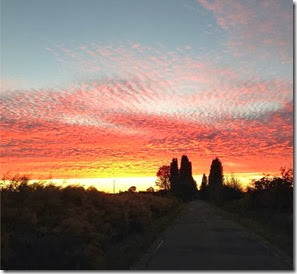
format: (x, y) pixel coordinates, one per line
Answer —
(29, 27)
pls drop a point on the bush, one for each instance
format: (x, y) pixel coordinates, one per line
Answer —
(232, 189)
(274, 193)
(49, 227)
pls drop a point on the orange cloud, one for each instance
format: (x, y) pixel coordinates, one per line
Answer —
(149, 105)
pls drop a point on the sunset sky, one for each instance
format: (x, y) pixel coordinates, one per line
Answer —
(114, 88)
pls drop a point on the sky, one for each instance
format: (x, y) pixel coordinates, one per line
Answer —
(112, 88)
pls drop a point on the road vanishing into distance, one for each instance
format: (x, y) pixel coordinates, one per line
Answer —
(203, 238)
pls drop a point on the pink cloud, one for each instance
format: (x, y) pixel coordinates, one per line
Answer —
(255, 26)
(68, 132)
(149, 105)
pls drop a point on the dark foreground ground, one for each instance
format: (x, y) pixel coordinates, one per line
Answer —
(203, 238)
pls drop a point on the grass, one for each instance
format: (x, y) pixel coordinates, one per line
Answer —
(275, 227)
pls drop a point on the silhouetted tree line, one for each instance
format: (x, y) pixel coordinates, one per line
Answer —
(215, 188)
(178, 181)
(272, 192)
(268, 192)
(182, 182)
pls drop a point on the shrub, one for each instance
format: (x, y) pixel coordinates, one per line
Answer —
(49, 227)
(274, 193)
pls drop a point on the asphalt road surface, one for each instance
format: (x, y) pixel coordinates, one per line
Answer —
(203, 238)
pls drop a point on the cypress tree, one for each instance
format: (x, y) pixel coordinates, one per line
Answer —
(186, 180)
(182, 182)
(215, 181)
(216, 176)
(203, 182)
(173, 175)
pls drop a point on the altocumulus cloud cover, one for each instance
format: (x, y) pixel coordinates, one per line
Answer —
(125, 107)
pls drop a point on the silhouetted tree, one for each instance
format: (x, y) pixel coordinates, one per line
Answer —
(174, 167)
(163, 176)
(287, 176)
(189, 187)
(233, 182)
(150, 189)
(216, 177)
(182, 183)
(185, 167)
(232, 189)
(174, 175)
(132, 189)
(16, 182)
(203, 182)
(274, 193)
(215, 181)
(204, 187)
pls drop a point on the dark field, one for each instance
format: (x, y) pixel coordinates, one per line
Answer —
(48, 227)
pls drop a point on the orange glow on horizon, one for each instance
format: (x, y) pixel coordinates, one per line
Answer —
(142, 183)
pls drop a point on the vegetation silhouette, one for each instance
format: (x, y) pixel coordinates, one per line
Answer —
(203, 187)
(182, 182)
(150, 189)
(216, 177)
(268, 202)
(48, 227)
(163, 177)
(272, 192)
(215, 181)
(232, 189)
(132, 189)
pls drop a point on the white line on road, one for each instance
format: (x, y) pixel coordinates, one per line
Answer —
(159, 245)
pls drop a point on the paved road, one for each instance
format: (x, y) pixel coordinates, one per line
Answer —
(201, 238)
